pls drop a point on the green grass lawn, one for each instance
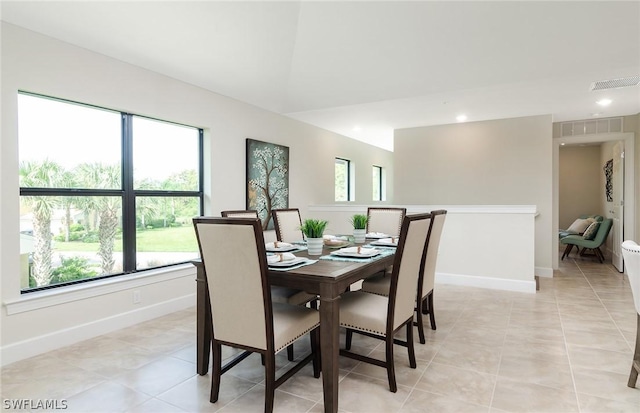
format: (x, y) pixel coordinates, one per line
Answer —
(179, 239)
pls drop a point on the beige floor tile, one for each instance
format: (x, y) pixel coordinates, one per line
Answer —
(364, 394)
(481, 358)
(405, 375)
(193, 394)
(613, 342)
(106, 397)
(421, 401)
(518, 396)
(605, 384)
(593, 404)
(537, 371)
(158, 376)
(600, 359)
(156, 406)
(486, 335)
(466, 385)
(253, 401)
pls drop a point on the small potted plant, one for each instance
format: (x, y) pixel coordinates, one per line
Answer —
(313, 230)
(359, 223)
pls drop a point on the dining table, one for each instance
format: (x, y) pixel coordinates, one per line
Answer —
(329, 278)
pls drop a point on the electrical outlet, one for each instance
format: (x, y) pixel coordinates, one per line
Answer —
(136, 297)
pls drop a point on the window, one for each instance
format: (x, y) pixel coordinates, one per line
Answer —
(103, 193)
(377, 183)
(343, 180)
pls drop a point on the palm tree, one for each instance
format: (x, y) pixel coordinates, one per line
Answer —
(98, 175)
(45, 174)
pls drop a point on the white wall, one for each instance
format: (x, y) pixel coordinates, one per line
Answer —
(39, 322)
(501, 162)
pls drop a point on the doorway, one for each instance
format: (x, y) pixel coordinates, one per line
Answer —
(625, 206)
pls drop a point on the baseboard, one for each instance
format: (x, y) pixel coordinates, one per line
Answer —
(487, 282)
(544, 272)
(42, 344)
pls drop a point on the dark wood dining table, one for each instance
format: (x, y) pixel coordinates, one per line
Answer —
(326, 278)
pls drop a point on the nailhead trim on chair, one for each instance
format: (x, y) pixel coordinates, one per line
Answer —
(297, 337)
(362, 329)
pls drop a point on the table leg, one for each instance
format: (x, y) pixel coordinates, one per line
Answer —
(330, 347)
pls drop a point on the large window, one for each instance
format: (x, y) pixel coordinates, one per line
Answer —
(343, 180)
(103, 193)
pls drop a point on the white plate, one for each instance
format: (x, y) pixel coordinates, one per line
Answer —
(386, 242)
(353, 252)
(289, 263)
(377, 235)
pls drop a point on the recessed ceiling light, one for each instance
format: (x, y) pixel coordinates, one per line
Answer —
(562, 144)
(604, 102)
(461, 118)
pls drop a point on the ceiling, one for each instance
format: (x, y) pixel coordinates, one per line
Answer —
(363, 69)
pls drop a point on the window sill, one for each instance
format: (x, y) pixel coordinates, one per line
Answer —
(63, 295)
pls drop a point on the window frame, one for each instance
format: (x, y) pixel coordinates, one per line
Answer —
(126, 193)
(380, 174)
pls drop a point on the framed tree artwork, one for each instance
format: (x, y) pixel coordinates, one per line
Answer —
(267, 179)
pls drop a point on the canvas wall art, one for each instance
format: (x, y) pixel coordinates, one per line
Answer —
(267, 179)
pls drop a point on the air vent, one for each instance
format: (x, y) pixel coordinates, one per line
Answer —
(615, 83)
(591, 127)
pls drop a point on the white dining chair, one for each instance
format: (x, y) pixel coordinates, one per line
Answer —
(279, 294)
(385, 220)
(287, 223)
(243, 314)
(631, 254)
(380, 283)
(383, 316)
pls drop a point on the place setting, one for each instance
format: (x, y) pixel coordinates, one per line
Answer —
(279, 246)
(356, 253)
(391, 242)
(284, 261)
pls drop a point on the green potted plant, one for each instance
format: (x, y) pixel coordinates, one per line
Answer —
(313, 230)
(359, 223)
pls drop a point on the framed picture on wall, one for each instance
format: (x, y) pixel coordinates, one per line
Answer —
(267, 178)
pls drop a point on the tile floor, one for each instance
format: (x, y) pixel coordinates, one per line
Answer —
(567, 348)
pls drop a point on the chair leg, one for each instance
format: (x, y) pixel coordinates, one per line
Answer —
(315, 348)
(419, 312)
(216, 371)
(290, 352)
(635, 365)
(349, 339)
(391, 374)
(410, 348)
(270, 382)
(567, 250)
(432, 316)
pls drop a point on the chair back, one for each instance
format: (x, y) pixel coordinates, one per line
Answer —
(385, 220)
(603, 231)
(433, 245)
(407, 265)
(234, 259)
(631, 254)
(243, 213)
(287, 223)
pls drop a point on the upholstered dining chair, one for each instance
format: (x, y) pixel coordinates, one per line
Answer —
(380, 283)
(287, 223)
(385, 220)
(278, 294)
(243, 314)
(382, 316)
(631, 254)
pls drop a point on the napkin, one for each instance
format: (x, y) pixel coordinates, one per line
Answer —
(287, 256)
(278, 244)
(358, 250)
(376, 234)
(393, 240)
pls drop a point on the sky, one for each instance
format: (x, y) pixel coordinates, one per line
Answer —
(71, 134)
